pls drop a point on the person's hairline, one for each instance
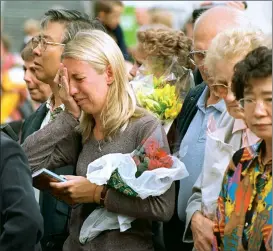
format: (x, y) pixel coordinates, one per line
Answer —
(238, 15)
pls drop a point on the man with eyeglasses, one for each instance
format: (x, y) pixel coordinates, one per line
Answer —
(188, 133)
(47, 50)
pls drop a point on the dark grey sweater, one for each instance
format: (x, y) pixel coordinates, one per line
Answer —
(54, 146)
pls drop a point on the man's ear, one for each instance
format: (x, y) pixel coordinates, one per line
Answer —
(101, 15)
(109, 75)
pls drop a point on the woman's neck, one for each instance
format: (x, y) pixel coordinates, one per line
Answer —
(98, 133)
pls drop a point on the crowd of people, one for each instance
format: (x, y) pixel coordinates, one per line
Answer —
(79, 101)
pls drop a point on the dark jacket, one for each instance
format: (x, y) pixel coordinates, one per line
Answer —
(118, 36)
(33, 122)
(174, 229)
(56, 213)
(197, 77)
(21, 223)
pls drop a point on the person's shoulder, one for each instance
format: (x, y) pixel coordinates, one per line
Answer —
(7, 143)
(5, 139)
(246, 154)
(142, 116)
(9, 147)
(197, 90)
(41, 109)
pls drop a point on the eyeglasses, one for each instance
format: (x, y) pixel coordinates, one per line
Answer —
(197, 57)
(35, 41)
(249, 103)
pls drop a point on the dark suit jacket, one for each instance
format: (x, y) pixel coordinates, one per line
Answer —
(33, 122)
(174, 229)
(56, 213)
(21, 223)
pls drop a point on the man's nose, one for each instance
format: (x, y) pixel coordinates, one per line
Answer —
(37, 50)
(28, 80)
(230, 96)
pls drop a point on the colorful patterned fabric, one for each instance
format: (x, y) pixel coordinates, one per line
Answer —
(244, 212)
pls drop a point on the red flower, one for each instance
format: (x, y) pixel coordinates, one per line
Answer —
(151, 148)
(165, 162)
(153, 156)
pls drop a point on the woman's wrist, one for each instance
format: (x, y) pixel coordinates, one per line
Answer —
(74, 116)
(97, 194)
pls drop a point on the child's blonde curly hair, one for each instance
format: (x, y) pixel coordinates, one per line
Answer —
(164, 44)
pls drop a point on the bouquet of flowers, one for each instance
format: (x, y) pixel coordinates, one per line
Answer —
(163, 93)
(148, 171)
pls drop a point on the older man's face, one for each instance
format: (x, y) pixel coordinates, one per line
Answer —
(202, 38)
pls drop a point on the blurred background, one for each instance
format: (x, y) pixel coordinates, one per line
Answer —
(14, 15)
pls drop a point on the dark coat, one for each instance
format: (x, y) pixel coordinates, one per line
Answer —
(21, 223)
(33, 122)
(56, 213)
(174, 229)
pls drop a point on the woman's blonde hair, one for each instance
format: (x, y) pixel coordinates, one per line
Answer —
(100, 51)
(231, 44)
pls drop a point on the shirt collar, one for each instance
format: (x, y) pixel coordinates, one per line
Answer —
(201, 103)
(50, 104)
(239, 125)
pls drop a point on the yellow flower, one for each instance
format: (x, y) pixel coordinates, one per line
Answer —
(163, 102)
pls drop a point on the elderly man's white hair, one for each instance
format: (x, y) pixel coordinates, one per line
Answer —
(223, 17)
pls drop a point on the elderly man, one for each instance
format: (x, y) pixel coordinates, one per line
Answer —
(188, 134)
(38, 90)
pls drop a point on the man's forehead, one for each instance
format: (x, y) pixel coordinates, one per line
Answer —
(53, 31)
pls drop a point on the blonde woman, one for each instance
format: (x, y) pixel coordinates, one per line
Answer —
(227, 136)
(93, 81)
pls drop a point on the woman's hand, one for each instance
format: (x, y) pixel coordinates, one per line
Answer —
(62, 81)
(77, 189)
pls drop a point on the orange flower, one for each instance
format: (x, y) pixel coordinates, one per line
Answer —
(165, 162)
(161, 153)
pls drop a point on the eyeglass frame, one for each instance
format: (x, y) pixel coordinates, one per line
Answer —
(254, 102)
(204, 52)
(40, 38)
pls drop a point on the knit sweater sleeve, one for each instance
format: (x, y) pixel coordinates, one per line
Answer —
(55, 145)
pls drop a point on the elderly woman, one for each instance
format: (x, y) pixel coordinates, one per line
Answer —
(244, 212)
(94, 83)
(227, 136)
